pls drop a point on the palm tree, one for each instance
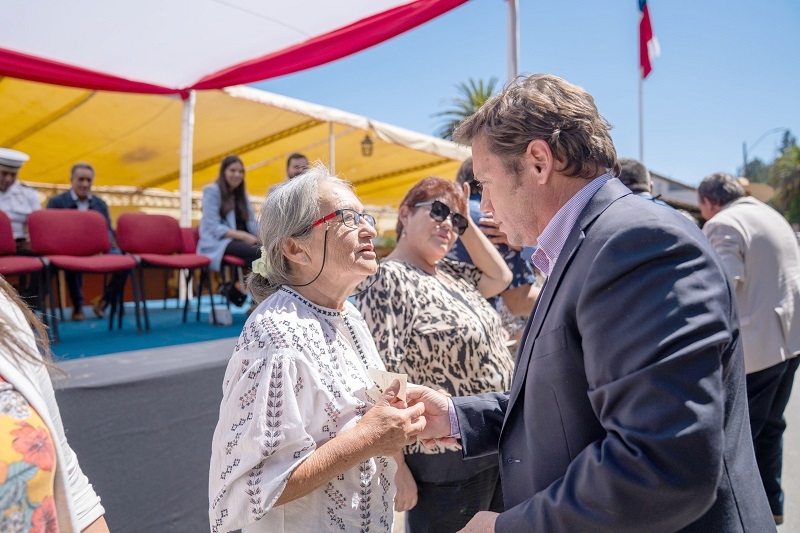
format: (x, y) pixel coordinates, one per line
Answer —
(471, 96)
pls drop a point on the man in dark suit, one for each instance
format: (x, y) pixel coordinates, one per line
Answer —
(627, 410)
(80, 197)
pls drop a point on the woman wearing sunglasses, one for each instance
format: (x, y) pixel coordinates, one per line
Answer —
(431, 320)
(298, 447)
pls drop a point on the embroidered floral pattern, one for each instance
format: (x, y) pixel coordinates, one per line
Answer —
(288, 389)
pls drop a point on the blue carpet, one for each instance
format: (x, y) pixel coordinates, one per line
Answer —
(92, 337)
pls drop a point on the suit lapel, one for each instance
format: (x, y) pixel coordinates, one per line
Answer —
(608, 193)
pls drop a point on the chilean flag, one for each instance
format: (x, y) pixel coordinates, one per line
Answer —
(648, 44)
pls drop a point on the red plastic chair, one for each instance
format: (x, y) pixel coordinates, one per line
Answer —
(12, 264)
(230, 264)
(68, 239)
(157, 241)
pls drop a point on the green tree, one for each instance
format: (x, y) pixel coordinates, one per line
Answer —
(757, 171)
(787, 141)
(471, 96)
(785, 177)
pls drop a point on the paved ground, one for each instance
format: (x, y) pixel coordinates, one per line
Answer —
(791, 466)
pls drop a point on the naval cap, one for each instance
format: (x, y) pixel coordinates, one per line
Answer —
(12, 158)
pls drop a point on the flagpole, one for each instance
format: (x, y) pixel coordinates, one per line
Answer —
(513, 40)
(641, 119)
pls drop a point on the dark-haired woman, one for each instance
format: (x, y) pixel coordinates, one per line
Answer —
(431, 320)
(228, 226)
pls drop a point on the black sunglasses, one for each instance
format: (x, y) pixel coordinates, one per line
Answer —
(440, 212)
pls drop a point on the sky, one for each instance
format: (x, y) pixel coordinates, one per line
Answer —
(726, 76)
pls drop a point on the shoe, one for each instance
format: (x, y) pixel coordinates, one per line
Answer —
(99, 307)
(78, 316)
(778, 519)
(233, 294)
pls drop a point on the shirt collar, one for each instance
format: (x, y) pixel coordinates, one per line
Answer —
(554, 236)
(75, 197)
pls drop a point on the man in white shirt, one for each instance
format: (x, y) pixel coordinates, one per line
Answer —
(16, 200)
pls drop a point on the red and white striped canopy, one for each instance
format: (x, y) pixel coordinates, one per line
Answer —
(173, 46)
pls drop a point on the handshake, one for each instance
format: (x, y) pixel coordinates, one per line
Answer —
(394, 422)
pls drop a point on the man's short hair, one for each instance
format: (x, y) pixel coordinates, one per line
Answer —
(545, 107)
(295, 156)
(634, 175)
(720, 189)
(76, 166)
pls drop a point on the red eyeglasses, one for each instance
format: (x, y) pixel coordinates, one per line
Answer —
(350, 217)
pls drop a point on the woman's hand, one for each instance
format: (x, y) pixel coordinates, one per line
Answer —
(495, 272)
(244, 236)
(406, 497)
(384, 430)
(390, 425)
(491, 229)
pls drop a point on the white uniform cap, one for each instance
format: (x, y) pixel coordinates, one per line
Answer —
(12, 158)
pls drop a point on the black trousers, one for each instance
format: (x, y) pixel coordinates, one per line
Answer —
(447, 500)
(248, 252)
(768, 394)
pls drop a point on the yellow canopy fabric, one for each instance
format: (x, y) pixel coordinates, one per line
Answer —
(134, 140)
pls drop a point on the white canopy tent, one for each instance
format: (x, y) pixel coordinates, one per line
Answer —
(179, 46)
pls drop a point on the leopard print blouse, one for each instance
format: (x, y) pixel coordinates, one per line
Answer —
(442, 334)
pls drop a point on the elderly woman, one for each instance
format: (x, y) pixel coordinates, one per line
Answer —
(431, 320)
(298, 447)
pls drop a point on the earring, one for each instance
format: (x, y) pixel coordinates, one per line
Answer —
(305, 260)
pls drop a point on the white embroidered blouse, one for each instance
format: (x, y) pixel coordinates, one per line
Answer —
(289, 387)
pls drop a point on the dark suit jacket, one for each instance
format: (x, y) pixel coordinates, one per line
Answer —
(627, 410)
(65, 201)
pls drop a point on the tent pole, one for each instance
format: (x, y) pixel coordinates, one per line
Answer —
(187, 139)
(331, 150)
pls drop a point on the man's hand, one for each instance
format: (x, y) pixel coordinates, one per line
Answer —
(437, 413)
(483, 522)
(389, 425)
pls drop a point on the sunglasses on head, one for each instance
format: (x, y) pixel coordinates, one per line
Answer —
(440, 212)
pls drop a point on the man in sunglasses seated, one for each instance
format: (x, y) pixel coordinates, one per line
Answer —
(431, 320)
(516, 302)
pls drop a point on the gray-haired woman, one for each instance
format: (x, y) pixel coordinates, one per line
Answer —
(297, 448)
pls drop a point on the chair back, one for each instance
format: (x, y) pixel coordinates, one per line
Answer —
(189, 240)
(140, 233)
(7, 243)
(68, 232)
